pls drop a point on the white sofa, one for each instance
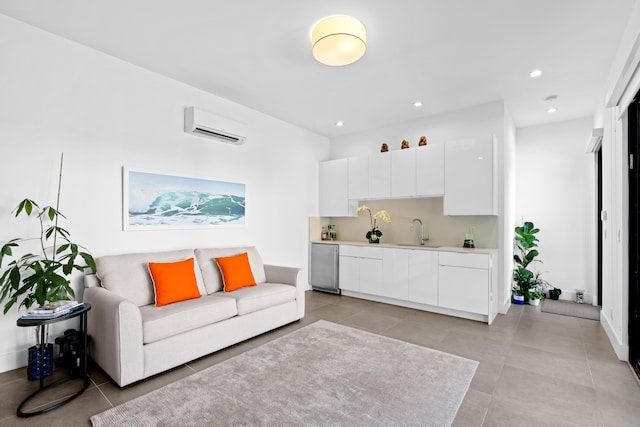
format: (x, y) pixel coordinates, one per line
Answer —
(131, 339)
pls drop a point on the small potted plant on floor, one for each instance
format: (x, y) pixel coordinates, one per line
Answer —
(554, 293)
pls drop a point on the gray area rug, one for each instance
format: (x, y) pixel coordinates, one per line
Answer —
(321, 375)
(570, 308)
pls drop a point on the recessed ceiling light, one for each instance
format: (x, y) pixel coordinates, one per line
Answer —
(535, 73)
(339, 124)
(417, 104)
(552, 110)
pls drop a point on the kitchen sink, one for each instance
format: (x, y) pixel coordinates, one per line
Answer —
(418, 245)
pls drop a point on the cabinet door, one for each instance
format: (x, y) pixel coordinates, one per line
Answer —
(465, 289)
(430, 170)
(349, 273)
(403, 173)
(371, 276)
(333, 194)
(380, 176)
(469, 178)
(358, 178)
(396, 274)
(423, 277)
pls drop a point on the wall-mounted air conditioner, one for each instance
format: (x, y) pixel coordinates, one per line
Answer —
(201, 123)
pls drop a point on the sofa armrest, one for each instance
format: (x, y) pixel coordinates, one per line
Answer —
(288, 276)
(280, 274)
(115, 331)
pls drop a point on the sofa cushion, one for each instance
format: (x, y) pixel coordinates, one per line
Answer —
(127, 275)
(236, 272)
(261, 296)
(173, 281)
(211, 273)
(173, 319)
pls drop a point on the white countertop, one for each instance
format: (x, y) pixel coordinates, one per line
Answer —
(427, 247)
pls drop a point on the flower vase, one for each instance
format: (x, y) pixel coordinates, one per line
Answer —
(374, 239)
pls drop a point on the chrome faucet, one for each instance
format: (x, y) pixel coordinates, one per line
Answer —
(422, 238)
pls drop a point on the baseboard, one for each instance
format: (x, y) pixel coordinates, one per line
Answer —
(622, 350)
(424, 307)
(14, 360)
(505, 306)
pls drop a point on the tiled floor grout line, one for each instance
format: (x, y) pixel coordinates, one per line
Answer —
(105, 396)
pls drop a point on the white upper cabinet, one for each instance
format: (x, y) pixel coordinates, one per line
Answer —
(430, 170)
(358, 178)
(380, 176)
(470, 177)
(403, 173)
(333, 191)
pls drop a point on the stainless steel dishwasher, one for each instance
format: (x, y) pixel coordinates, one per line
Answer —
(323, 267)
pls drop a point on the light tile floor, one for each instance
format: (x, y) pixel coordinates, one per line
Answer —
(536, 369)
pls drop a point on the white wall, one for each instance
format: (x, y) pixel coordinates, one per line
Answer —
(105, 114)
(482, 120)
(555, 190)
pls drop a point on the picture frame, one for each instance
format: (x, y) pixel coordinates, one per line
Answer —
(160, 201)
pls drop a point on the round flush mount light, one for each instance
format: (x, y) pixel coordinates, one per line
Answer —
(552, 110)
(417, 104)
(338, 40)
(339, 124)
(535, 73)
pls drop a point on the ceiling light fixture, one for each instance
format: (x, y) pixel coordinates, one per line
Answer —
(417, 104)
(338, 40)
(535, 73)
(552, 110)
(339, 124)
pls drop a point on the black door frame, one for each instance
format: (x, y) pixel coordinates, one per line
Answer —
(634, 233)
(599, 242)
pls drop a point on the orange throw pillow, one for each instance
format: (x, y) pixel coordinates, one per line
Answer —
(173, 281)
(236, 272)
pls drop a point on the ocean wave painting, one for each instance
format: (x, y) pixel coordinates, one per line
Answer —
(158, 201)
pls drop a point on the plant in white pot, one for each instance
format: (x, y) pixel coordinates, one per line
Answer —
(527, 284)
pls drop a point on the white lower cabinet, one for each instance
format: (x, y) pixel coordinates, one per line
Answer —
(371, 276)
(463, 282)
(395, 264)
(360, 269)
(423, 277)
(448, 282)
(349, 273)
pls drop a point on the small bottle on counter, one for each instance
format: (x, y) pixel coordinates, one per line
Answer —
(334, 235)
(324, 234)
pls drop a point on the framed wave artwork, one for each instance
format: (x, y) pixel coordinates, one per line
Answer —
(156, 201)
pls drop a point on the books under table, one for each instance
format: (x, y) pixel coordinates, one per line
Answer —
(53, 310)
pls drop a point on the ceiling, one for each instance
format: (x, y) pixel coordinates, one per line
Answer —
(449, 54)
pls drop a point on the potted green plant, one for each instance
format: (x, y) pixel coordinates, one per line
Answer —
(555, 293)
(42, 276)
(527, 284)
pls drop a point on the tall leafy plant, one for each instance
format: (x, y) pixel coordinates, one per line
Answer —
(42, 276)
(526, 242)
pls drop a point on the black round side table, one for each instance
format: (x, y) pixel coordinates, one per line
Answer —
(81, 311)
